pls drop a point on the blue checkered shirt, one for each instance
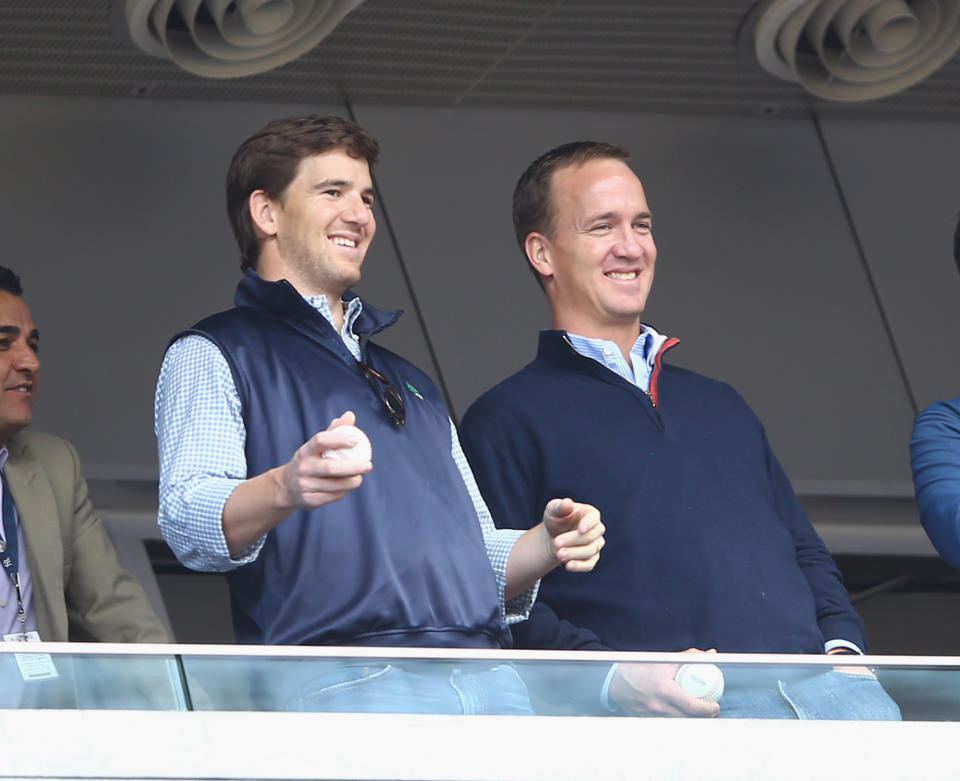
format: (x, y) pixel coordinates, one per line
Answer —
(202, 439)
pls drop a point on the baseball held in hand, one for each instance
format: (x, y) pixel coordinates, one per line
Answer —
(703, 681)
(359, 452)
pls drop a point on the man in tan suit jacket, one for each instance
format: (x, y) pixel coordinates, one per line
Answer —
(73, 586)
(80, 591)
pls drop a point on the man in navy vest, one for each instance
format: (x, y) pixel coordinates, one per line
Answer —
(713, 549)
(396, 551)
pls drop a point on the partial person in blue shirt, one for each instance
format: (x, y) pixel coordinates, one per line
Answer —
(399, 550)
(935, 457)
(713, 549)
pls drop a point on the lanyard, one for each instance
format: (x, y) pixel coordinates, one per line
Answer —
(9, 550)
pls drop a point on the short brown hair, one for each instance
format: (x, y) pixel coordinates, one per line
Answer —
(532, 204)
(269, 159)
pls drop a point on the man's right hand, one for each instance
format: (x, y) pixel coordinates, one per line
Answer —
(651, 690)
(308, 480)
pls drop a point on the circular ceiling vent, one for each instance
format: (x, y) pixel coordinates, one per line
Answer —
(852, 50)
(228, 38)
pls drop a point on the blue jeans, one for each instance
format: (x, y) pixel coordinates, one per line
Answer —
(833, 694)
(417, 687)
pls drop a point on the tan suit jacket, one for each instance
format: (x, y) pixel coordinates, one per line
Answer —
(80, 591)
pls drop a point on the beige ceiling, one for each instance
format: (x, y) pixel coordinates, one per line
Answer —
(671, 55)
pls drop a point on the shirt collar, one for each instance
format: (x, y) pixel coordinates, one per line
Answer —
(648, 345)
(643, 354)
(351, 311)
(644, 349)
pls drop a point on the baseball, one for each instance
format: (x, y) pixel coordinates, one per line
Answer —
(703, 681)
(362, 451)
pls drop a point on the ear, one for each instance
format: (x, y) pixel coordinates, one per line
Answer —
(537, 247)
(263, 212)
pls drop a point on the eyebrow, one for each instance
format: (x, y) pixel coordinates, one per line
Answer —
(612, 215)
(14, 330)
(341, 183)
(331, 183)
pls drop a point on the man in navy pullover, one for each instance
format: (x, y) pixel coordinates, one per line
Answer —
(250, 404)
(713, 550)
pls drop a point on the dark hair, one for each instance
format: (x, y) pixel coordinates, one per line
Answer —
(268, 161)
(532, 204)
(10, 282)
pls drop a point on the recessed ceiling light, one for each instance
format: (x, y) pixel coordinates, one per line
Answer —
(229, 38)
(852, 50)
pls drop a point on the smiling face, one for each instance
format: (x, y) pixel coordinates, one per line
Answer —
(318, 231)
(19, 365)
(597, 262)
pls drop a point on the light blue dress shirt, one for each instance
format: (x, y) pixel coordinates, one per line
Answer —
(9, 622)
(643, 355)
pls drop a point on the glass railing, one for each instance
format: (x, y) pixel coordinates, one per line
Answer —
(40, 676)
(241, 712)
(62, 676)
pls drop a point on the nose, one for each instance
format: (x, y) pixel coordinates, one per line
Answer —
(356, 211)
(25, 359)
(628, 245)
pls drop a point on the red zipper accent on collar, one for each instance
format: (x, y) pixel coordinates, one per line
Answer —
(657, 365)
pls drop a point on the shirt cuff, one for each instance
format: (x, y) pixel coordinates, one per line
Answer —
(837, 643)
(518, 609)
(193, 527)
(605, 691)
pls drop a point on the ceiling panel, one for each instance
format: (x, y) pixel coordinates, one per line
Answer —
(680, 55)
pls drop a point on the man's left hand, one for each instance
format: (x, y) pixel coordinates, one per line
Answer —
(575, 533)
